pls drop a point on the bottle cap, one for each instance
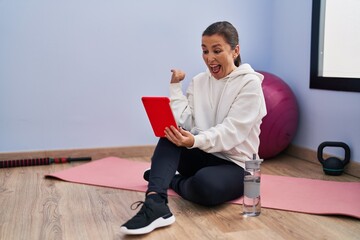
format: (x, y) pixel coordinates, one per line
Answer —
(253, 164)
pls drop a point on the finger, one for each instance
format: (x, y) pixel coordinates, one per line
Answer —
(175, 136)
(184, 132)
(170, 134)
(174, 129)
(169, 137)
(168, 131)
(181, 130)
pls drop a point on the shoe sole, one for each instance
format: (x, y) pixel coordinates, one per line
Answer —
(146, 174)
(158, 223)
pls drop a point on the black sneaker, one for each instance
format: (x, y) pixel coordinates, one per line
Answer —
(152, 215)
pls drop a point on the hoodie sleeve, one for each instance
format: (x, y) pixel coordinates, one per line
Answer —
(181, 105)
(247, 110)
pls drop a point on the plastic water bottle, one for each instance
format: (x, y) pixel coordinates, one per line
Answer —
(251, 199)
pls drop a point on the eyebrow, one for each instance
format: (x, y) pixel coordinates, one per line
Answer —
(213, 46)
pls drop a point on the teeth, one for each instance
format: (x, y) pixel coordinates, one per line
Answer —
(215, 68)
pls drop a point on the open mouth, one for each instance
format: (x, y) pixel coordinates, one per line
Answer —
(215, 68)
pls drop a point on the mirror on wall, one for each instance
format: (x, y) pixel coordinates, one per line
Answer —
(335, 45)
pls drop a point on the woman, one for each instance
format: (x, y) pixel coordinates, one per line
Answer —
(203, 160)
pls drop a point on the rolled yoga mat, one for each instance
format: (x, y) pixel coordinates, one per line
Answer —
(277, 192)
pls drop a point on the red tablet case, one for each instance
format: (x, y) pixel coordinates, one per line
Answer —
(159, 113)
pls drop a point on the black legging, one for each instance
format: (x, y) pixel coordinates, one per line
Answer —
(204, 178)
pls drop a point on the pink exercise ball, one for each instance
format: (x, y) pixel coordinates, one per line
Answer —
(280, 124)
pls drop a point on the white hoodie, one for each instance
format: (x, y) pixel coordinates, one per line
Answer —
(224, 115)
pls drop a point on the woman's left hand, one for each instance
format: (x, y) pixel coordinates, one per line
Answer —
(179, 136)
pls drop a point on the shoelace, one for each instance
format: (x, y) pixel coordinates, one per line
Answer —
(143, 211)
(137, 203)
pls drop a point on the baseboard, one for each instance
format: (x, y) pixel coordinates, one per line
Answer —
(94, 153)
(353, 168)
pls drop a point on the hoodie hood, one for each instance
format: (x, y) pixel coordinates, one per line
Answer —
(243, 69)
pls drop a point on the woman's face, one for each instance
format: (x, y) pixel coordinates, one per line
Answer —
(218, 55)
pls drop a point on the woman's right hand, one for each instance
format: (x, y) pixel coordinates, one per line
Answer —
(177, 75)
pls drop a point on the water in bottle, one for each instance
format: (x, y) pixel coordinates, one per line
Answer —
(252, 199)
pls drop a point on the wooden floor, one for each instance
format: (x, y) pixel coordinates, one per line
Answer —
(32, 207)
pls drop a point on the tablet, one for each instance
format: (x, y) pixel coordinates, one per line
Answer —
(159, 113)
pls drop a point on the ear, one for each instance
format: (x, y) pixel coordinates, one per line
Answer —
(236, 51)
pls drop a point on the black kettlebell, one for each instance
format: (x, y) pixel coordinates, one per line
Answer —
(332, 165)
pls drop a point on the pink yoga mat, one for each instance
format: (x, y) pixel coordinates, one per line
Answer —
(277, 192)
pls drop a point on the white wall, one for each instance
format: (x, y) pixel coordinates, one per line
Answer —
(324, 115)
(72, 72)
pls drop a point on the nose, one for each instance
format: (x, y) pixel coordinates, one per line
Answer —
(210, 57)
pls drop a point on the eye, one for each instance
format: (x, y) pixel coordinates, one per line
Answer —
(205, 51)
(217, 51)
